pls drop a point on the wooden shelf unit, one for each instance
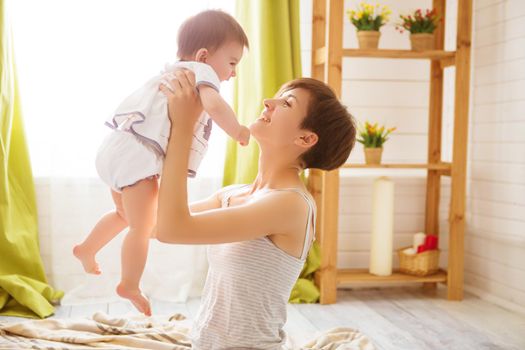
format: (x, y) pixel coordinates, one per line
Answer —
(327, 55)
(362, 276)
(447, 57)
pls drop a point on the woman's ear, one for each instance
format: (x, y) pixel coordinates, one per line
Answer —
(202, 55)
(307, 139)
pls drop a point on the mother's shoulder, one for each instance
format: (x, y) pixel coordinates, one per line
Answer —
(227, 189)
(290, 199)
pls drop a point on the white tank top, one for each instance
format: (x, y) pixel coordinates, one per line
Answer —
(247, 288)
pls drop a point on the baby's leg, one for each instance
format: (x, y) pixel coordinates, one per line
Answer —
(140, 206)
(104, 231)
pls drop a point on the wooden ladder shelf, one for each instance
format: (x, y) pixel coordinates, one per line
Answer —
(327, 56)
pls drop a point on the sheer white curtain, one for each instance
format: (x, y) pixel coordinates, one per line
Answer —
(76, 61)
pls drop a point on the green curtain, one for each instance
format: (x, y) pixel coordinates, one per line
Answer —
(272, 27)
(23, 287)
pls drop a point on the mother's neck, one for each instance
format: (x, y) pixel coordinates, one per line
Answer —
(276, 171)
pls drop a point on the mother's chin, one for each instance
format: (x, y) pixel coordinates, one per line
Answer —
(259, 129)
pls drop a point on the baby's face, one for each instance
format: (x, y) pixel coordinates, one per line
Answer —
(224, 60)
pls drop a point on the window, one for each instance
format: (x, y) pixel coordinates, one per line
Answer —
(77, 60)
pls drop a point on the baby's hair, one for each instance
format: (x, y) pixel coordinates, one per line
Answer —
(209, 29)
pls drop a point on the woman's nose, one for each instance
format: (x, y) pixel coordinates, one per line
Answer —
(268, 103)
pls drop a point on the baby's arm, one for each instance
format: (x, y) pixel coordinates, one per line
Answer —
(223, 115)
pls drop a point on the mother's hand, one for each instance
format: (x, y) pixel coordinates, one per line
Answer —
(184, 105)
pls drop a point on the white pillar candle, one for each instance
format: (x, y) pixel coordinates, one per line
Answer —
(419, 239)
(382, 227)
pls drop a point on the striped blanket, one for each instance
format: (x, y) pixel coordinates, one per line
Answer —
(155, 333)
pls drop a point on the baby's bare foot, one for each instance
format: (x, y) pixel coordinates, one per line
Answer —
(88, 260)
(135, 296)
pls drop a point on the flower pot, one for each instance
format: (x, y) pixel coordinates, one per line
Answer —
(373, 155)
(368, 39)
(422, 41)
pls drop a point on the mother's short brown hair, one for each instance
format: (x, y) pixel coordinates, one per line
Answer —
(330, 120)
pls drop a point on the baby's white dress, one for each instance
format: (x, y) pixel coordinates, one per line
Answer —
(135, 148)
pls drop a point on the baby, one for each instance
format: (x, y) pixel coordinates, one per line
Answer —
(130, 158)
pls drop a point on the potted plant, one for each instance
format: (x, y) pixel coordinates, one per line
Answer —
(368, 19)
(421, 28)
(372, 137)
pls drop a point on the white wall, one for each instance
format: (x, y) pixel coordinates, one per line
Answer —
(495, 240)
(395, 92)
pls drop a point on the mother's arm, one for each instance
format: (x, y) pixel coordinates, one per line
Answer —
(208, 203)
(272, 213)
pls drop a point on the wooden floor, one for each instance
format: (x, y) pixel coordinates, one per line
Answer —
(393, 318)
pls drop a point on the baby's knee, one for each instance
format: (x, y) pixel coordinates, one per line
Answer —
(120, 212)
(142, 232)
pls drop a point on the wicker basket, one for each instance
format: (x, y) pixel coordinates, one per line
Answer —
(421, 264)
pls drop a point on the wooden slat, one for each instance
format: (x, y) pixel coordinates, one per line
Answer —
(328, 237)
(459, 154)
(433, 166)
(318, 36)
(447, 62)
(363, 276)
(319, 56)
(403, 54)
(435, 115)
(330, 196)
(335, 45)
(315, 176)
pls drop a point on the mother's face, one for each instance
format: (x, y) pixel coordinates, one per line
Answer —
(279, 123)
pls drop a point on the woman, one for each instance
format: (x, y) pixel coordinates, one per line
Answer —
(259, 234)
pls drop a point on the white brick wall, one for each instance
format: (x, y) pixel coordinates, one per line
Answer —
(395, 92)
(495, 242)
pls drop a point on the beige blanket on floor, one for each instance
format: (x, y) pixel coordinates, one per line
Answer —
(155, 333)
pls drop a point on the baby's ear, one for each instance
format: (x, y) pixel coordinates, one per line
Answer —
(202, 55)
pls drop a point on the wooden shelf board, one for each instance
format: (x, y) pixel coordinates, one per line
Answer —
(436, 166)
(363, 276)
(406, 54)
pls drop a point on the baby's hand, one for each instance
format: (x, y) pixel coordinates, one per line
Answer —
(244, 136)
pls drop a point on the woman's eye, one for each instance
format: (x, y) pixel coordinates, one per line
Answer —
(286, 103)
